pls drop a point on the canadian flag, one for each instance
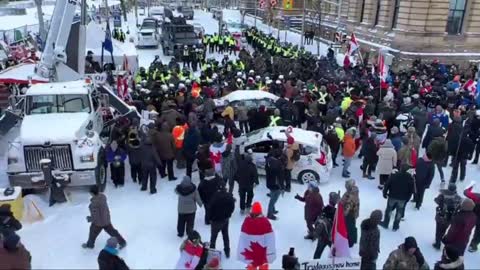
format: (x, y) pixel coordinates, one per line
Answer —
(353, 45)
(216, 156)
(256, 245)
(472, 194)
(189, 256)
(471, 87)
(340, 246)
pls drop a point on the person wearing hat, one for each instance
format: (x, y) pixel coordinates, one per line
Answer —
(207, 188)
(193, 252)
(290, 261)
(13, 254)
(461, 226)
(188, 199)
(221, 207)
(349, 149)
(313, 206)
(398, 189)
(247, 177)
(448, 201)
(293, 156)
(451, 260)
(108, 258)
(323, 225)
(370, 240)
(116, 157)
(351, 210)
(100, 219)
(403, 258)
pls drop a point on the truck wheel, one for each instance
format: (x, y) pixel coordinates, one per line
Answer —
(101, 171)
(308, 175)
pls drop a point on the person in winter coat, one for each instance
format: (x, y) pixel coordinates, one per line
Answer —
(351, 209)
(108, 258)
(463, 153)
(451, 260)
(242, 117)
(247, 178)
(194, 252)
(275, 182)
(396, 138)
(216, 150)
(333, 142)
(323, 225)
(434, 130)
(424, 173)
(290, 261)
(207, 188)
(221, 207)
(448, 202)
(370, 241)
(13, 254)
(313, 206)
(229, 167)
(413, 138)
(8, 223)
(169, 115)
(100, 219)
(134, 151)
(475, 197)
(461, 226)
(349, 149)
(398, 189)
(370, 157)
(387, 161)
(116, 157)
(403, 258)
(406, 155)
(188, 199)
(454, 134)
(165, 146)
(292, 153)
(190, 146)
(150, 162)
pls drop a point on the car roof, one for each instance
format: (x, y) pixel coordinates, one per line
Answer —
(79, 87)
(249, 95)
(301, 136)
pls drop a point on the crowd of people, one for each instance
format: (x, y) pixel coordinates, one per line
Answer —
(359, 116)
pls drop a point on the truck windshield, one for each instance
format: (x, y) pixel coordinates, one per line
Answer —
(43, 104)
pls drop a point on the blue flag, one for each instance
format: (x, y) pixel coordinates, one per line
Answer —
(107, 44)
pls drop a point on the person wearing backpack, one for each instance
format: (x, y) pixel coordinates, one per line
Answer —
(293, 156)
(448, 202)
(323, 225)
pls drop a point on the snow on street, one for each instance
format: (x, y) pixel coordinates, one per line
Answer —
(148, 222)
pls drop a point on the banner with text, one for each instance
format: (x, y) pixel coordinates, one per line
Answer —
(331, 264)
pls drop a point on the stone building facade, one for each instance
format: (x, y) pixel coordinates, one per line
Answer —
(448, 30)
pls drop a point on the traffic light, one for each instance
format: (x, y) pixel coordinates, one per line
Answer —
(287, 4)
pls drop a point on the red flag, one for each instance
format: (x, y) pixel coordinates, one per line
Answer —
(353, 45)
(340, 247)
(189, 256)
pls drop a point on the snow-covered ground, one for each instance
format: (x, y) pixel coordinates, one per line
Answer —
(148, 222)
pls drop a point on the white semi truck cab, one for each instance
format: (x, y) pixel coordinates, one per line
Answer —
(62, 122)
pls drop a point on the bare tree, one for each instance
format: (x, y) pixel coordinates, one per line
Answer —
(317, 19)
(41, 23)
(124, 9)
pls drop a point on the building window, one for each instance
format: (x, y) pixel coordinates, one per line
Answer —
(362, 9)
(456, 13)
(396, 9)
(377, 13)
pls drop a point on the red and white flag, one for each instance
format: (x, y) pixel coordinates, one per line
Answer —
(471, 87)
(262, 3)
(340, 247)
(353, 45)
(189, 256)
(256, 245)
(382, 67)
(216, 151)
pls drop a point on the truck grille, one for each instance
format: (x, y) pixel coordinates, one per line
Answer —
(60, 155)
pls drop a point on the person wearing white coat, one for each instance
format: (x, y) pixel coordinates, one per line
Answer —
(387, 160)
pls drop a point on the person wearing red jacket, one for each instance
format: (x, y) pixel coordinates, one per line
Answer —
(461, 227)
(313, 206)
(475, 197)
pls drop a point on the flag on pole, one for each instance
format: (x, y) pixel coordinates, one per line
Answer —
(189, 256)
(470, 86)
(382, 68)
(108, 44)
(340, 247)
(353, 44)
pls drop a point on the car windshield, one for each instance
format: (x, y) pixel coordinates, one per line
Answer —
(44, 104)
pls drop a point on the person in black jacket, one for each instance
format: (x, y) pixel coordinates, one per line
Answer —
(370, 157)
(424, 172)
(370, 241)
(8, 223)
(207, 189)
(290, 261)
(220, 210)
(190, 146)
(275, 183)
(247, 178)
(434, 131)
(398, 189)
(463, 153)
(108, 258)
(149, 162)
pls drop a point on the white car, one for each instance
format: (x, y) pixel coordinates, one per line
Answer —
(148, 38)
(250, 98)
(315, 162)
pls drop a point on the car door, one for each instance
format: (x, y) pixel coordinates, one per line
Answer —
(260, 151)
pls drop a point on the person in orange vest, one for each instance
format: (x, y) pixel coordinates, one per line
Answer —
(178, 133)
